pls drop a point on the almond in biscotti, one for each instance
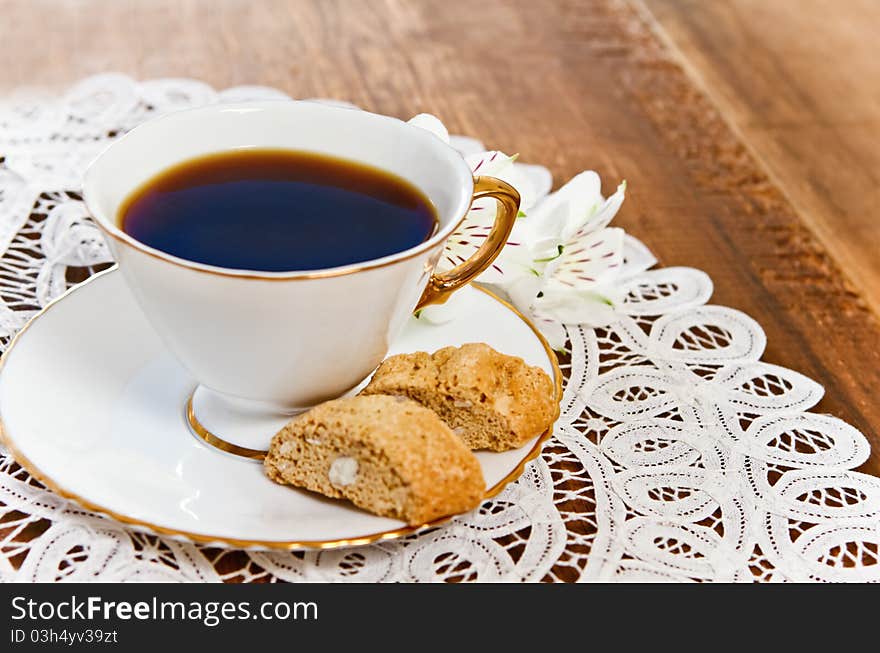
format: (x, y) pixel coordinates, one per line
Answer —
(388, 455)
(491, 400)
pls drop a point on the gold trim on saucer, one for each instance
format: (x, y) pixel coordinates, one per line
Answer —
(215, 441)
(201, 538)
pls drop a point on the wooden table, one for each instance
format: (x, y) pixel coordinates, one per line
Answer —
(585, 84)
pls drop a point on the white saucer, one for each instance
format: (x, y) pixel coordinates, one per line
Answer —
(94, 407)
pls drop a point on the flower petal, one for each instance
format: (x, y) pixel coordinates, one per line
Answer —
(470, 235)
(583, 196)
(540, 178)
(576, 307)
(636, 257)
(458, 304)
(477, 225)
(465, 144)
(574, 200)
(605, 213)
(545, 226)
(523, 291)
(431, 123)
(591, 260)
(522, 177)
(552, 330)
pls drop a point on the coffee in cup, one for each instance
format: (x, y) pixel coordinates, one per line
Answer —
(276, 210)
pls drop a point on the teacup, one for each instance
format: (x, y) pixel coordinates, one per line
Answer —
(275, 343)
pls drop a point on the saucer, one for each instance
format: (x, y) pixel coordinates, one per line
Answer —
(94, 407)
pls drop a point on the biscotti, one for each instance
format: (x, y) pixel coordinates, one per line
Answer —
(388, 455)
(492, 401)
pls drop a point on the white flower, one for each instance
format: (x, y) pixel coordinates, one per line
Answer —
(565, 269)
(531, 181)
(559, 225)
(474, 229)
(577, 206)
(563, 264)
(458, 303)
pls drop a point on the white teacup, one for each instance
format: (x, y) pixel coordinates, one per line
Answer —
(270, 343)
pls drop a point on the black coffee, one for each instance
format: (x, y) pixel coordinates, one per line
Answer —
(277, 210)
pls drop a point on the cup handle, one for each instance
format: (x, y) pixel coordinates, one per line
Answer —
(442, 285)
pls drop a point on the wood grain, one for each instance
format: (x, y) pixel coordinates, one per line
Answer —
(571, 84)
(798, 80)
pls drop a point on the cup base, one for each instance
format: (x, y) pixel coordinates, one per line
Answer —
(234, 426)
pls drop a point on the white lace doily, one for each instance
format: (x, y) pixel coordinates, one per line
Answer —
(679, 455)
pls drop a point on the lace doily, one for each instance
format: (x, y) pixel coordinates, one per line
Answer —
(679, 455)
